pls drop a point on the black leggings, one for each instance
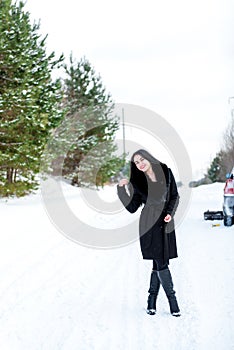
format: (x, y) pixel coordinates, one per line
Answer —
(159, 264)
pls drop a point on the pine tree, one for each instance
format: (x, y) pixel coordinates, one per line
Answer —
(28, 98)
(214, 170)
(90, 159)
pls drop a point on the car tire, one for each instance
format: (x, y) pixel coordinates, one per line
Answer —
(227, 220)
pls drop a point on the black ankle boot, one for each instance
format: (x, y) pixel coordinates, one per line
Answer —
(166, 281)
(153, 290)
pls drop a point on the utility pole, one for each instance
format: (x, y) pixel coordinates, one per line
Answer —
(232, 109)
(123, 125)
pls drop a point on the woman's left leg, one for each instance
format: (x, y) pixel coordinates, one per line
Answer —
(159, 264)
(165, 279)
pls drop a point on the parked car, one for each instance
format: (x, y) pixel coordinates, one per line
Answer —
(228, 203)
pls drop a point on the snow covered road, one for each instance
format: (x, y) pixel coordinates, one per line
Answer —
(58, 295)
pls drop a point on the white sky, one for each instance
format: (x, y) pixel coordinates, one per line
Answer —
(173, 57)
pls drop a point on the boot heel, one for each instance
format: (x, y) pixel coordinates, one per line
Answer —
(151, 311)
(176, 314)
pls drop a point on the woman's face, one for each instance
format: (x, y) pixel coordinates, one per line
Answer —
(141, 163)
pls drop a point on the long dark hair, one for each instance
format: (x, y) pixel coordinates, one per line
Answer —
(138, 179)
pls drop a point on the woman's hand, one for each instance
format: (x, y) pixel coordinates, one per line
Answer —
(123, 182)
(167, 218)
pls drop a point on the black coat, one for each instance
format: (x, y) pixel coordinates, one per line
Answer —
(157, 238)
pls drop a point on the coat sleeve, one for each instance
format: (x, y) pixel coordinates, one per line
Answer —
(132, 202)
(173, 196)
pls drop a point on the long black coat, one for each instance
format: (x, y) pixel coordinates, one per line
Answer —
(157, 238)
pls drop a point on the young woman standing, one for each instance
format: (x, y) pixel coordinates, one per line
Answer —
(152, 185)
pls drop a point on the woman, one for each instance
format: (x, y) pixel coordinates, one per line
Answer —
(152, 184)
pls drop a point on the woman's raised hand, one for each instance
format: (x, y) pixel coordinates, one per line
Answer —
(123, 182)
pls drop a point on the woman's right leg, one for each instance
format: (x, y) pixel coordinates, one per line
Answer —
(153, 290)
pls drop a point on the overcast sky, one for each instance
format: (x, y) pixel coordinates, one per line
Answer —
(173, 57)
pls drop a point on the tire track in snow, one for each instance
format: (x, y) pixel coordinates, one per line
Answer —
(113, 319)
(97, 308)
(111, 323)
(27, 282)
(39, 287)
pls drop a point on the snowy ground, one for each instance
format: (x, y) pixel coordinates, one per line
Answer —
(58, 295)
